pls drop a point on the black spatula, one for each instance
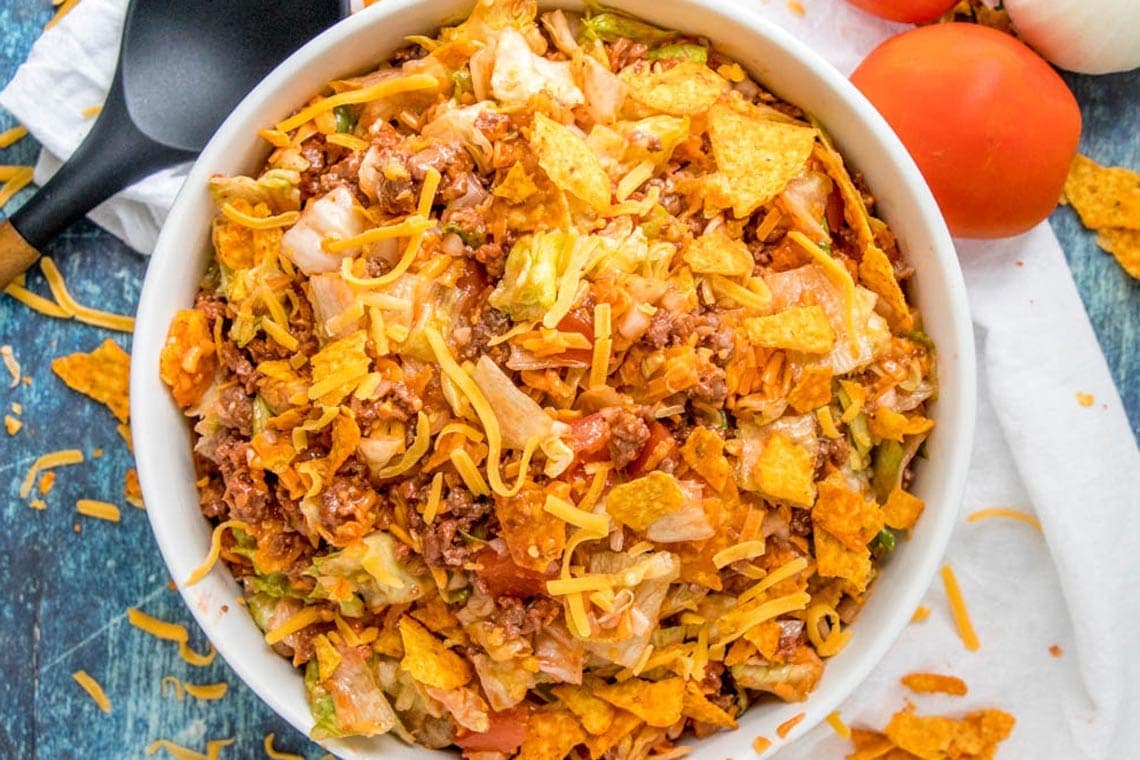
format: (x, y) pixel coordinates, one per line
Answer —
(183, 66)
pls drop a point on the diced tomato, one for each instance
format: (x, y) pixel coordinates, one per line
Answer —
(504, 578)
(506, 733)
(659, 445)
(589, 437)
(583, 326)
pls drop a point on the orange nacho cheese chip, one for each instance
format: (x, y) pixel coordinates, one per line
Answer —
(934, 683)
(102, 374)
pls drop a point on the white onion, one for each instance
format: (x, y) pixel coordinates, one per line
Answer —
(1087, 36)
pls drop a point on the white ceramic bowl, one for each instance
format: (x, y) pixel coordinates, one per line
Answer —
(781, 63)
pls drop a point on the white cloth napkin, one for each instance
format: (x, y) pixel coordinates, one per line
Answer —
(1037, 449)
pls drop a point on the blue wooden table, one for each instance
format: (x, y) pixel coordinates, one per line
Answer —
(66, 580)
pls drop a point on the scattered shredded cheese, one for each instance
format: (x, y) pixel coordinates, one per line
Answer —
(206, 691)
(35, 301)
(158, 628)
(922, 612)
(100, 509)
(20, 179)
(47, 461)
(12, 425)
(79, 312)
(761, 744)
(190, 657)
(837, 725)
(958, 609)
(92, 111)
(11, 136)
(178, 752)
(39, 504)
(92, 687)
(1012, 514)
(275, 754)
(274, 137)
(63, 9)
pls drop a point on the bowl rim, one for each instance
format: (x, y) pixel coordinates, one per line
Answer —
(150, 335)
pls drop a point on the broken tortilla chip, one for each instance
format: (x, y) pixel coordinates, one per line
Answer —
(596, 715)
(534, 537)
(902, 509)
(704, 452)
(813, 389)
(641, 502)
(103, 374)
(687, 88)
(799, 328)
(696, 705)
(569, 162)
(784, 471)
(756, 157)
(1124, 245)
(935, 737)
(550, 735)
(846, 514)
(623, 725)
(887, 424)
(517, 186)
(428, 661)
(877, 273)
(835, 560)
(1103, 196)
(934, 683)
(658, 703)
(716, 253)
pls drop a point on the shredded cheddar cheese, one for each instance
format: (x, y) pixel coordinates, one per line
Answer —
(10, 137)
(35, 301)
(467, 470)
(786, 727)
(190, 657)
(274, 137)
(922, 612)
(363, 95)
(174, 684)
(837, 725)
(284, 219)
(206, 691)
(1011, 514)
(275, 754)
(297, 622)
(351, 142)
(603, 344)
(12, 425)
(178, 752)
(158, 628)
(434, 493)
(782, 573)
(20, 179)
(203, 569)
(414, 453)
(77, 311)
(958, 609)
(91, 112)
(98, 509)
(47, 461)
(742, 551)
(93, 689)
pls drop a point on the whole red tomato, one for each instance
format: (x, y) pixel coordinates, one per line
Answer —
(992, 127)
(910, 11)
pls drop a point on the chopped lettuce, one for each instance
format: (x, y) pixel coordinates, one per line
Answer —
(364, 573)
(530, 282)
(325, 725)
(346, 118)
(277, 188)
(610, 27)
(685, 51)
(887, 468)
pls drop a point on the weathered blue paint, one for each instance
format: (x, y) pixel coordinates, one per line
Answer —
(66, 580)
